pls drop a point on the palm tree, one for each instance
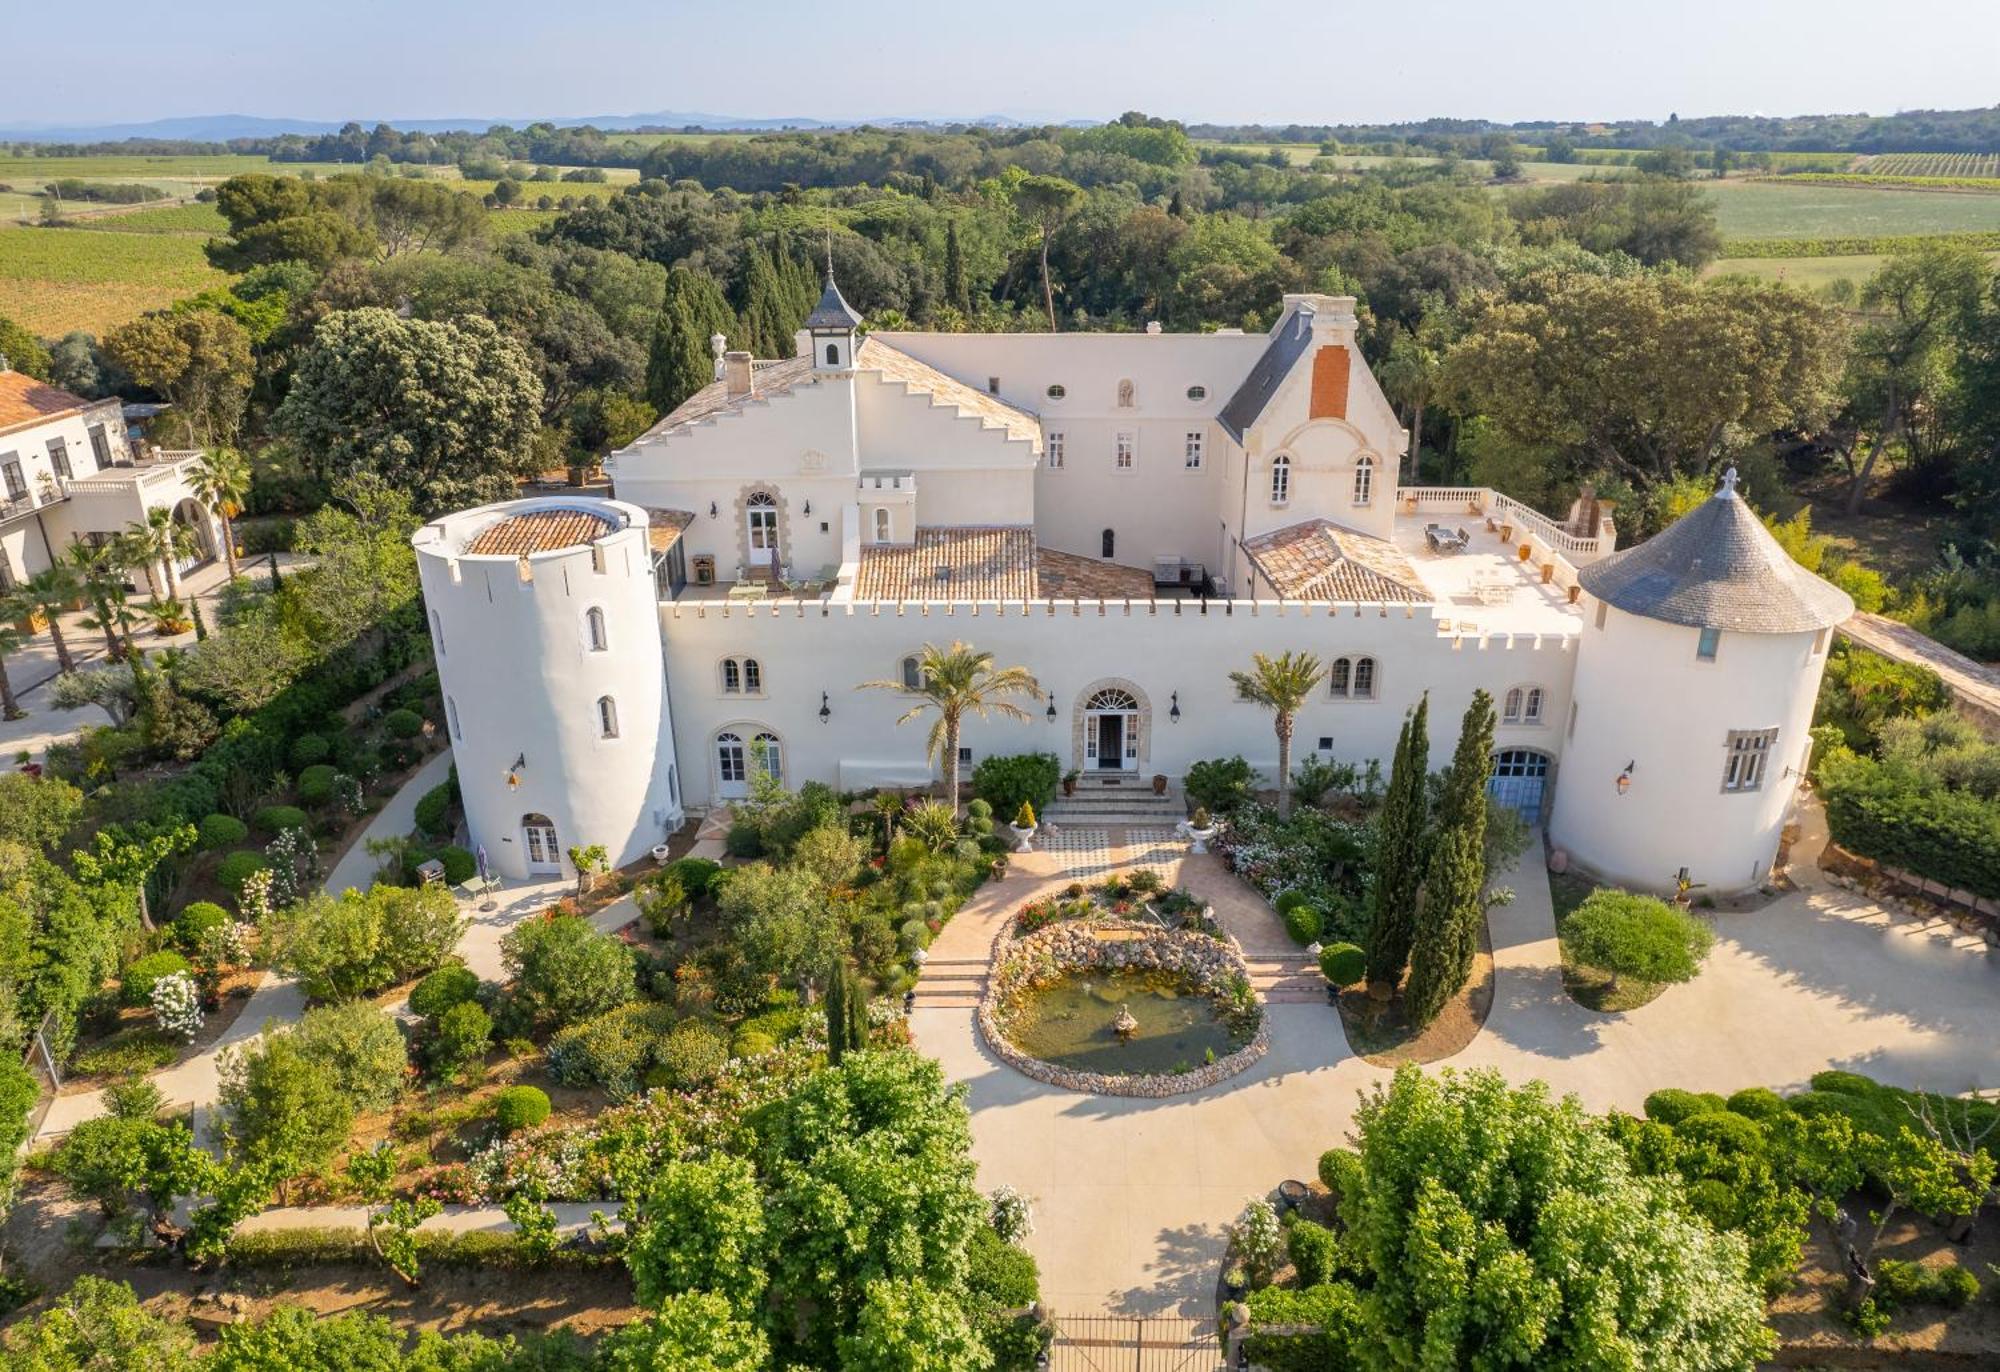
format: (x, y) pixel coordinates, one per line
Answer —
(99, 569)
(10, 639)
(956, 681)
(47, 594)
(1281, 684)
(164, 540)
(221, 481)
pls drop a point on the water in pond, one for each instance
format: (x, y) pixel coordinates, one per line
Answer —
(1068, 1022)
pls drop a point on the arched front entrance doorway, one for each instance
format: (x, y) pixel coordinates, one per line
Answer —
(191, 516)
(1520, 781)
(737, 751)
(1111, 731)
(544, 849)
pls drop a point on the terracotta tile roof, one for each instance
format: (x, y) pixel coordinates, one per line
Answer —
(991, 411)
(538, 531)
(951, 564)
(1319, 560)
(1066, 576)
(665, 527)
(24, 400)
(766, 379)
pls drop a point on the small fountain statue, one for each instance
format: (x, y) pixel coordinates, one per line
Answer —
(1124, 1026)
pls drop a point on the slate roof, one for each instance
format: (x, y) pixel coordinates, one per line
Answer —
(1319, 560)
(1717, 567)
(833, 311)
(24, 400)
(539, 531)
(1280, 355)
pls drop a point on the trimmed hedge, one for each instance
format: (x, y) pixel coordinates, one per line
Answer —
(434, 811)
(315, 784)
(219, 831)
(1343, 964)
(275, 819)
(236, 869)
(1896, 817)
(308, 749)
(459, 864)
(403, 723)
(520, 1107)
(485, 1248)
(1302, 923)
(1010, 780)
(135, 986)
(196, 920)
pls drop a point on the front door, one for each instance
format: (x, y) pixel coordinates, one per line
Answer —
(761, 526)
(543, 854)
(1111, 742)
(732, 771)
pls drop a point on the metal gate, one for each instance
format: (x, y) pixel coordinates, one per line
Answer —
(1520, 775)
(1134, 1343)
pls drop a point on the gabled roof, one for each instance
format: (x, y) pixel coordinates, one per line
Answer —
(833, 311)
(766, 379)
(1717, 567)
(991, 411)
(24, 400)
(1319, 560)
(1280, 356)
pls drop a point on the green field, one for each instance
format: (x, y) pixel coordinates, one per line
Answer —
(1808, 273)
(55, 280)
(1775, 209)
(199, 221)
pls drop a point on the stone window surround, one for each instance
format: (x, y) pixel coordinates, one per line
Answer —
(1145, 719)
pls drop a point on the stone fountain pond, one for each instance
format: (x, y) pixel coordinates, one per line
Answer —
(1071, 1022)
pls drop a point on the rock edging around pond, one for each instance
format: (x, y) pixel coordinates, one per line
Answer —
(1074, 945)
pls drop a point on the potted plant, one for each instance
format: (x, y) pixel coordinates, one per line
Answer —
(1069, 781)
(1234, 1280)
(1201, 828)
(1024, 828)
(1159, 783)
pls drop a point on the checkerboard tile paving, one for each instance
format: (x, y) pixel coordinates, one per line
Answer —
(1081, 852)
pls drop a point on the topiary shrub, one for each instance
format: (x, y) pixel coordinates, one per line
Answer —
(315, 784)
(1289, 901)
(748, 1043)
(236, 868)
(1759, 1103)
(691, 1055)
(1302, 923)
(275, 819)
(196, 920)
(1343, 964)
(135, 985)
(977, 808)
(434, 811)
(403, 723)
(1673, 1105)
(459, 865)
(308, 750)
(520, 1107)
(220, 831)
(442, 989)
(1314, 1250)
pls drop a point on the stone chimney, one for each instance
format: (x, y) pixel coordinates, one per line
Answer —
(736, 372)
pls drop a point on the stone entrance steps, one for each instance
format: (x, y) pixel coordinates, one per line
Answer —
(951, 984)
(1285, 978)
(1100, 804)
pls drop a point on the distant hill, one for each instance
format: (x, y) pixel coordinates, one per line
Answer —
(222, 128)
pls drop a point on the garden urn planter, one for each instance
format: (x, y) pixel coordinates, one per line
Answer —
(1159, 783)
(1023, 838)
(1201, 837)
(659, 852)
(1069, 784)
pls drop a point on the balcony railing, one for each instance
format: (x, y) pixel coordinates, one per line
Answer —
(48, 490)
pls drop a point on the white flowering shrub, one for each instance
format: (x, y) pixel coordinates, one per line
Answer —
(347, 794)
(224, 945)
(1258, 1240)
(255, 901)
(1012, 1217)
(177, 1005)
(295, 866)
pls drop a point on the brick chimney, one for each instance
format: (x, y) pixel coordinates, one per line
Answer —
(736, 372)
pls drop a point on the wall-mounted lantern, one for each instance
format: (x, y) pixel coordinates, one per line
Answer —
(514, 772)
(1175, 713)
(1625, 778)
(1052, 707)
(711, 509)
(825, 708)
(809, 509)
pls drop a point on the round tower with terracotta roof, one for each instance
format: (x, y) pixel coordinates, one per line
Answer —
(544, 621)
(1696, 676)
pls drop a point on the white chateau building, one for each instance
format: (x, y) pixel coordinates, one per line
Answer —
(1129, 516)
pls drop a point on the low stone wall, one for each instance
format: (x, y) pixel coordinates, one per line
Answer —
(1072, 945)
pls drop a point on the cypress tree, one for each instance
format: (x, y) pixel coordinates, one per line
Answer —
(200, 625)
(955, 289)
(1397, 859)
(836, 1013)
(1454, 901)
(679, 363)
(857, 1014)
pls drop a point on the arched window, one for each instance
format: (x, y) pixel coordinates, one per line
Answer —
(1112, 698)
(753, 676)
(1281, 479)
(1197, 393)
(833, 354)
(1125, 394)
(1351, 678)
(1057, 391)
(1364, 480)
(1110, 541)
(769, 755)
(607, 717)
(881, 525)
(451, 715)
(593, 620)
(913, 673)
(732, 676)
(1522, 705)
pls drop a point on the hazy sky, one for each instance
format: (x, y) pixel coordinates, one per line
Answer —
(1269, 61)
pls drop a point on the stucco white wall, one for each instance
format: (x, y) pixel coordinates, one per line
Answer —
(520, 679)
(1643, 697)
(1071, 651)
(27, 445)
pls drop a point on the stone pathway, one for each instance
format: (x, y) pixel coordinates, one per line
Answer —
(1133, 1197)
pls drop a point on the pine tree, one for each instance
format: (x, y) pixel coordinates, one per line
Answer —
(1398, 857)
(956, 292)
(1454, 901)
(679, 362)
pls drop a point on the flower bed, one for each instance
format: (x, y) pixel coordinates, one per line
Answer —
(1214, 965)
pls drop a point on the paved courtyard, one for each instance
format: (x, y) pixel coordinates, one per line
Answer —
(1132, 1196)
